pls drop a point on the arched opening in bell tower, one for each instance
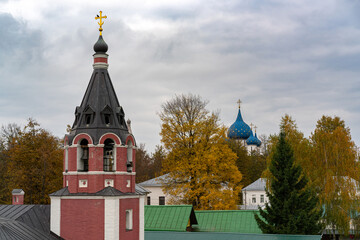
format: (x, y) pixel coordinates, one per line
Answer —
(84, 156)
(109, 153)
(129, 162)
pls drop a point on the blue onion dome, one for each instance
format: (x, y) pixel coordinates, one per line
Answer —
(258, 141)
(239, 129)
(100, 46)
(252, 140)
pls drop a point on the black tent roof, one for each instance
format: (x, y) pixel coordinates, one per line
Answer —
(100, 111)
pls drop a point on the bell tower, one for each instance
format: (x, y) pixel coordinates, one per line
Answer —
(99, 199)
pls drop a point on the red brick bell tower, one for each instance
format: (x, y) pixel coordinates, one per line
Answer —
(99, 199)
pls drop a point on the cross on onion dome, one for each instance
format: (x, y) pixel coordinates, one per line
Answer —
(101, 21)
(239, 102)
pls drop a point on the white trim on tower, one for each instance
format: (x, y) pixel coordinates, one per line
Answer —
(141, 218)
(111, 223)
(55, 213)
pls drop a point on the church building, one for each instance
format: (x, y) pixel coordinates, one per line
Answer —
(99, 198)
(240, 131)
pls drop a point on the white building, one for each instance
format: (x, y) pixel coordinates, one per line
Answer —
(254, 195)
(156, 195)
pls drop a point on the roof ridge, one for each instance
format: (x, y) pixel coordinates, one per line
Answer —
(169, 205)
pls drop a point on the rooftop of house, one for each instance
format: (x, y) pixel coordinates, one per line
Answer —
(155, 235)
(258, 185)
(169, 217)
(154, 182)
(140, 190)
(240, 221)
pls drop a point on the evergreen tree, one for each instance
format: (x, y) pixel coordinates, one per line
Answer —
(293, 207)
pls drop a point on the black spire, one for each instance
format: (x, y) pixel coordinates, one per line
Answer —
(100, 111)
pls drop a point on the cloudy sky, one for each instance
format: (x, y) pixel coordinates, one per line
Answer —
(300, 57)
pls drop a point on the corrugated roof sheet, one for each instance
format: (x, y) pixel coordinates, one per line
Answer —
(240, 221)
(34, 216)
(17, 230)
(155, 182)
(14, 211)
(258, 185)
(167, 218)
(224, 236)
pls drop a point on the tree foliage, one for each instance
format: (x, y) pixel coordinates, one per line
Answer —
(328, 158)
(143, 162)
(7, 135)
(201, 166)
(251, 165)
(335, 171)
(34, 163)
(293, 206)
(147, 166)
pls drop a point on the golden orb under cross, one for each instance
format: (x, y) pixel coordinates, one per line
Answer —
(101, 22)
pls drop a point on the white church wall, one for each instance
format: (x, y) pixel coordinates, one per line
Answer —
(255, 198)
(156, 192)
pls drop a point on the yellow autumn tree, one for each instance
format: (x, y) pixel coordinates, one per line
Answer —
(201, 167)
(335, 172)
(35, 163)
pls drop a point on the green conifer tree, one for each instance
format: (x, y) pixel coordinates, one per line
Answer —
(293, 207)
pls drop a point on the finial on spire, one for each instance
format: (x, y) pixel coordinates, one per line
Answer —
(101, 21)
(239, 102)
(255, 127)
(251, 125)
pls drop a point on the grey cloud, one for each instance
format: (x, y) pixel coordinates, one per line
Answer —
(18, 43)
(278, 57)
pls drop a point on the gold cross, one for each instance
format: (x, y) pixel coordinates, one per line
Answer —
(251, 125)
(101, 21)
(239, 102)
(255, 128)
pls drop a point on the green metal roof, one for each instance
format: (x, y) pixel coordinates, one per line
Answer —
(240, 221)
(168, 217)
(224, 236)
